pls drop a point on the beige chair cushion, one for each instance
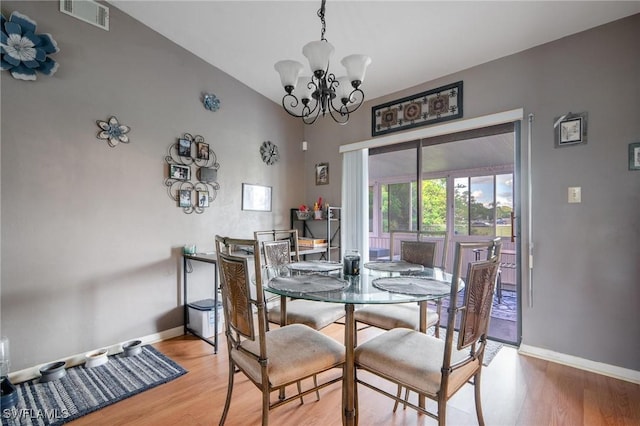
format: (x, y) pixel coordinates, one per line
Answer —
(406, 315)
(294, 352)
(316, 315)
(411, 358)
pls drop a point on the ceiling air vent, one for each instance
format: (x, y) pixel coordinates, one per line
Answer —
(87, 11)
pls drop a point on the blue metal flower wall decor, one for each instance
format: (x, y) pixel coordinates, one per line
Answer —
(210, 102)
(24, 52)
(113, 132)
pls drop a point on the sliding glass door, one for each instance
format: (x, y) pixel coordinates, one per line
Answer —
(460, 186)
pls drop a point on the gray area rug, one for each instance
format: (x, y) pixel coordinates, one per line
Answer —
(490, 352)
(84, 390)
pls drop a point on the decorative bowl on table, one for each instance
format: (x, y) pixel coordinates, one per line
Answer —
(303, 215)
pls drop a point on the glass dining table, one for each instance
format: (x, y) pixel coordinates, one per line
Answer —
(372, 286)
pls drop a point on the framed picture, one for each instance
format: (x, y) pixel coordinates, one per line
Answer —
(570, 129)
(430, 107)
(634, 156)
(322, 174)
(179, 172)
(203, 198)
(203, 151)
(184, 147)
(184, 198)
(256, 197)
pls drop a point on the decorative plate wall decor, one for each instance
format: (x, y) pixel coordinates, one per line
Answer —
(23, 51)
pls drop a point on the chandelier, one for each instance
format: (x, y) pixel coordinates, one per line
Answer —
(322, 92)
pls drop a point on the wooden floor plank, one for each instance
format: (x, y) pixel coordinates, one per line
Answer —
(516, 390)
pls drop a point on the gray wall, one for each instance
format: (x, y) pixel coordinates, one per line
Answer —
(91, 241)
(587, 256)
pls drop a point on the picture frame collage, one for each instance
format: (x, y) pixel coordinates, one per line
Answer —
(193, 191)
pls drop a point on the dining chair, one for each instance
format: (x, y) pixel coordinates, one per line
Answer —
(271, 360)
(432, 367)
(277, 254)
(406, 315)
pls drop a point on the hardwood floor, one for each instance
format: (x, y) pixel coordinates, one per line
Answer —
(516, 390)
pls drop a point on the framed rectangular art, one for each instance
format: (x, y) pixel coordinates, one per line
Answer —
(256, 197)
(184, 198)
(179, 172)
(184, 148)
(203, 198)
(570, 129)
(322, 174)
(634, 156)
(432, 106)
(203, 150)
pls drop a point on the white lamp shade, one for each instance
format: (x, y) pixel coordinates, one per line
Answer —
(302, 90)
(289, 72)
(344, 88)
(356, 66)
(318, 54)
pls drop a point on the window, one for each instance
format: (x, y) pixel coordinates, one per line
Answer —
(483, 204)
(399, 206)
(434, 205)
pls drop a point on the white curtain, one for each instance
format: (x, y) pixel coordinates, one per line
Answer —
(354, 231)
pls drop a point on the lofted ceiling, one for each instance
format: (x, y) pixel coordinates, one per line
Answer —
(410, 42)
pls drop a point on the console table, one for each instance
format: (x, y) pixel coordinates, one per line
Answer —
(210, 258)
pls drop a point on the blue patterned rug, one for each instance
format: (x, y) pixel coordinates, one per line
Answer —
(507, 309)
(84, 390)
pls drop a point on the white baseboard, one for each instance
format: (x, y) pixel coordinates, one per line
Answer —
(581, 363)
(33, 372)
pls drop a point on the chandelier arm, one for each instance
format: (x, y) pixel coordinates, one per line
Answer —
(310, 119)
(293, 103)
(338, 116)
(351, 106)
(356, 104)
(306, 112)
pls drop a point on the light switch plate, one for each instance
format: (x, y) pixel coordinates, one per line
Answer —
(575, 194)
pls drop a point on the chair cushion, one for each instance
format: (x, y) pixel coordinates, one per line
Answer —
(316, 315)
(413, 359)
(406, 315)
(294, 352)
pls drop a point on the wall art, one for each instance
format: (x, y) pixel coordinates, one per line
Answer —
(203, 198)
(570, 129)
(269, 153)
(203, 151)
(192, 173)
(113, 132)
(23, 51)
(430, 107)
(185, 198)
(322, 174)
(256, 197)
(179, 172)
(634, 156)
(210, 102)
